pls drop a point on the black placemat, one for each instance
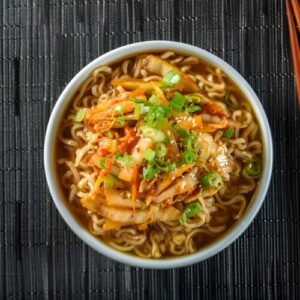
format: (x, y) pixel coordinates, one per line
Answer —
(42, 45)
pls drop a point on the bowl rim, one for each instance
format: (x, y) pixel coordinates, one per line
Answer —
(174, 262)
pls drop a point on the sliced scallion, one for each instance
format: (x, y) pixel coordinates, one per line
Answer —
(150, 171)
(172, 78)
(253, 167)
(189, 156)
(125, 159)
(154, 100)
(211, 179)
(192, 210)
(111, 181)
(193, 108)
(154, 134)
(149, 154)
(229, 132)
(160, 149)
(138, 110)
(178, 101)
(121, 120)
(102, 162)
(136, 100)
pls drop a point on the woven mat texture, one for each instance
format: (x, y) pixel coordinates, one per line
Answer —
(43, 44)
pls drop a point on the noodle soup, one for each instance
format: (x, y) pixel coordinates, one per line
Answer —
(159, 154)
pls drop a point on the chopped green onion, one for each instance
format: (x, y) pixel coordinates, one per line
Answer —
(118, 155)
(150, 171)
(136, 100)
(253, 167)
(121, 120)
(149, 154)
(125, 159)
(102, 162)
(189, 156)
(179, 130)
(79, 115)
(160, 149)
(157, 165)
(211, 179)
(195, 98)
(138, 110)
(229, 132)
(193, 108)
(154, 134)
(168, 168)
(172, 78)
(192, 210)
(154, 100)
(119, 109)
(189, 137)
(177, 102)
(156, 115)
(111, 181)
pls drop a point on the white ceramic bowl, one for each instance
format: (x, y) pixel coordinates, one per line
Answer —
(233, 233)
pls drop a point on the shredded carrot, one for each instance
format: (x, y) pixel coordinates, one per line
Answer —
(137, 92)
(159, 93)
(134, 188)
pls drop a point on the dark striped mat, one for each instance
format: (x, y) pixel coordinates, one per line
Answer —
(42, 45)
